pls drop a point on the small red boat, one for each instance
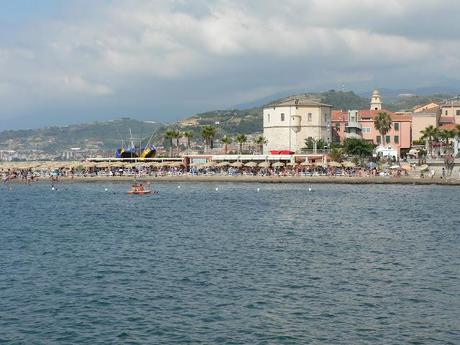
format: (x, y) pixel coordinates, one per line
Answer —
(138, 189)
(140, 192)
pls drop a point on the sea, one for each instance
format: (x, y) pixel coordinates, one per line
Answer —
(230, 263)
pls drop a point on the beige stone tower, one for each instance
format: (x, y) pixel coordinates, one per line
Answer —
(376, 102)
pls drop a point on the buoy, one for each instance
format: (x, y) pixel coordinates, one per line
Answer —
(217, 189)
(309, 189)
(178, 187)
(52, 188)
(106, 189)
(258, 189)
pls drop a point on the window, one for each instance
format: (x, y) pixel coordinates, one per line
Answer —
(309, 117)
(282, 116)
(337, 126)
(445, 112)
(457, 112)
(387, 139)
(379, 139)
(396, 138)
(396, 126)
(366, 129)
(268, 117)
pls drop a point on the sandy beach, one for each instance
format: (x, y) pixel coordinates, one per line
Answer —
(259, 179)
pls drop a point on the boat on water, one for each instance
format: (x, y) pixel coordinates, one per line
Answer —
(138, 189)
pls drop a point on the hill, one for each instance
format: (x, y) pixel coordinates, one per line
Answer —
(99, 136)
(106, 136)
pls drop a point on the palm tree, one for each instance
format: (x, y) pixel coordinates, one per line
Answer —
(177, 135)
(169, 135)
(382, 123)
(208, 133)
(336, 154)
(241, 139)
(261, 141)
(226, 141)
(189, 136)
(428, 134)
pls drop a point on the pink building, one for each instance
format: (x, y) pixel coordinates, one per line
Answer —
(360, 124)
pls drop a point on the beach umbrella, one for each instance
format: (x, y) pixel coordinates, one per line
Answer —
(349, 165)
(395, 167)
(222, 164)
(237, 165)
(292, 164)
(320, 164)
(264, 165)
(209, 165)
(306, 164)
(335, 164)
(250, 165)
(278, 165)
(424, 167)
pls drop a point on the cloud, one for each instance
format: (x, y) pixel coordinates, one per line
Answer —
(143, 55)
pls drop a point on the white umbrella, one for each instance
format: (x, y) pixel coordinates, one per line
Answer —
(250, 165)
(278, 165)
(264, 165)
(236, 165)
(349, 165)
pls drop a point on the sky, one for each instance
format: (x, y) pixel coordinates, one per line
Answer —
(72, 61)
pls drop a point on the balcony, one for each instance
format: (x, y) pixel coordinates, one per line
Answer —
(353, 125)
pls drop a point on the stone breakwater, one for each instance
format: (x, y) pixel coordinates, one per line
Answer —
(261, 179)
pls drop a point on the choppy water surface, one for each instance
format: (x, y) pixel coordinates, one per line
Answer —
(337, 265)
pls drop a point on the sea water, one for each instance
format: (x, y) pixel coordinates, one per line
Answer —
(230, 264)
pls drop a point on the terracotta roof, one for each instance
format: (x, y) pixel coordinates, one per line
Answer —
(446, 119)
(342, 116)
(448, 126)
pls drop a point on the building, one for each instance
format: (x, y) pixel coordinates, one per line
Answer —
(360, 124)
(426, 107)
(376, 102)
(450, 111)
(292, 120)
(422, 119)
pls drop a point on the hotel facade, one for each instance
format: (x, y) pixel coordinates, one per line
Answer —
(359, 124)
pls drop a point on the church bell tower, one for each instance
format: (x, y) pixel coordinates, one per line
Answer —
(376, 102)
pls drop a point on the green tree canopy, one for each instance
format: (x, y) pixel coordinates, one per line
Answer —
(358, 147)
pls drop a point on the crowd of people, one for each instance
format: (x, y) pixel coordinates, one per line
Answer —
(209, 169)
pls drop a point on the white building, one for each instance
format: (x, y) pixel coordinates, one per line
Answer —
(289, 122)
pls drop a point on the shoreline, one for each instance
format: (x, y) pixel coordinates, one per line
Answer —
(258, 179)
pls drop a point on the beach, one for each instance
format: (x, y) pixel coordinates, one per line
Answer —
(390, 180)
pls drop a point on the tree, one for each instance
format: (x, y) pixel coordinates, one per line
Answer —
(382, 123)
(358, 147)
(241, 139)
(310, 143)
(169, 135)
(177, 135)
(336, 154)
(208, 133)
(189, 136)
(261, 141)
(226, 141)
(429, 134)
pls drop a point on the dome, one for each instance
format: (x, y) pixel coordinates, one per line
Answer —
(375, 92)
